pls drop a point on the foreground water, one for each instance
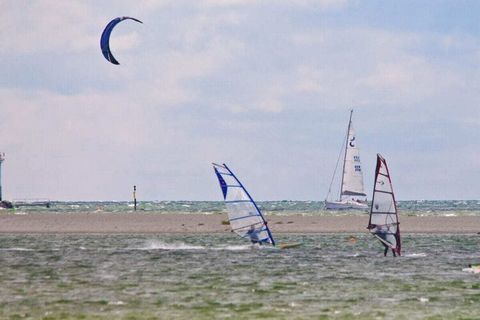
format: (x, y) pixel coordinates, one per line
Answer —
(412, 208)
(216, 277)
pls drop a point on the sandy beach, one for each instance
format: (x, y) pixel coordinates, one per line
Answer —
(201, 223)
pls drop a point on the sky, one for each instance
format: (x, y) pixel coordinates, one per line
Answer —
(264, 86)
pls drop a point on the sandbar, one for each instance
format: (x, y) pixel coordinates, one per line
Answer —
(103, 222)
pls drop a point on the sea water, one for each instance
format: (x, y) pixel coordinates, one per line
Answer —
(412, 208)
(204, 276)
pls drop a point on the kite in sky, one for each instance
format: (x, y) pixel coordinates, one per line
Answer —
(105, 39)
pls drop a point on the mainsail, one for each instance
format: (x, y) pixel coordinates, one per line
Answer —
(243, 213)
(383, 223)
(352, 181)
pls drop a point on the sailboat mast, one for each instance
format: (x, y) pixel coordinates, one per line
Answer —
(345, 155)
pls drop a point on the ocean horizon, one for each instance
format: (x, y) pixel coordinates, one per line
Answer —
(283, 207)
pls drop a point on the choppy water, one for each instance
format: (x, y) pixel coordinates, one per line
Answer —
(414, 208)
(217, 277)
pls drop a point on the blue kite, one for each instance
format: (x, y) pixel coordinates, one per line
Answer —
(105, 39)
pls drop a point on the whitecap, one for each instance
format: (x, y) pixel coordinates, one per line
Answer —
(234, 247)
(423, 299)
(15, 249)
(159, 245)
(415, 255)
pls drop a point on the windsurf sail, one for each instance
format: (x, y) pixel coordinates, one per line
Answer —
(244, 216)
(383, 223)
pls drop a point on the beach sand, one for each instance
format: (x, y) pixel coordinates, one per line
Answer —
(201, 223)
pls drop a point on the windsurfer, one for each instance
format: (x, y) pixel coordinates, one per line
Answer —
(381, 232)
(253, 234)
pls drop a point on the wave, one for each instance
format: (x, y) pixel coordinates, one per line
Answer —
(16, 249)
(159, 245)
(234, 247)
(415, 255)
(282, 208)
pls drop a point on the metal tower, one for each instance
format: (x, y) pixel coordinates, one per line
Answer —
(2, 158)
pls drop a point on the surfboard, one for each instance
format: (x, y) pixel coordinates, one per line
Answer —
(289, 245)
(472, 270)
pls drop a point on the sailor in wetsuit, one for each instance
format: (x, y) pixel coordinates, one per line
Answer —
(253, 234)
(381, 232)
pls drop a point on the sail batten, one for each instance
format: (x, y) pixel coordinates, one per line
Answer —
(245, 235)
(353, 193)
(236, 201)
(239, 218)
(243, 213)
(383, 222)
(383, 191)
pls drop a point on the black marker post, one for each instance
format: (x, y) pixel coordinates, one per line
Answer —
(135, 198)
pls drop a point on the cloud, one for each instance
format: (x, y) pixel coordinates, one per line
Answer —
(264, 86)
(395, 69)
(321, 4)
(39, 26)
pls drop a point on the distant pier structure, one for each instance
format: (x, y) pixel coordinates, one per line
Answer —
(3, 203)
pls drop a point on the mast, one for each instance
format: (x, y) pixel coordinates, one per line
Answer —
(397, 233)
(345, 154)
(377, 169)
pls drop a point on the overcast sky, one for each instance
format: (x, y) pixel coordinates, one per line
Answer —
(264, 86)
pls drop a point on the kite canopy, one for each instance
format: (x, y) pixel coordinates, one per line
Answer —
(105, 39)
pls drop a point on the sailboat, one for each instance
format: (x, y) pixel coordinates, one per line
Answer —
(383, 223)
(244, 216)
(352, 194)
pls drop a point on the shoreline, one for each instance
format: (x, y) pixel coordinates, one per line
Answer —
(110, 223)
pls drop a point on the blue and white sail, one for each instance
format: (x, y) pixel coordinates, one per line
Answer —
(383, 223)
(243, 213)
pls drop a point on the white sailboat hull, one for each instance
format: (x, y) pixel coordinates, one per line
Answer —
(346, 205)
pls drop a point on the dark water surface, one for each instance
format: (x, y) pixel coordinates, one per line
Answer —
(217, 277)
(411, 208)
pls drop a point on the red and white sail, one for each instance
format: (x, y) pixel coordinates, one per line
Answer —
(383, 223)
